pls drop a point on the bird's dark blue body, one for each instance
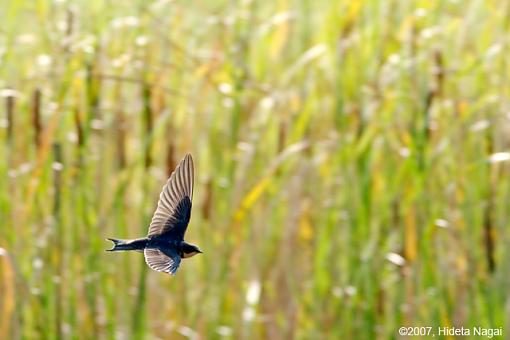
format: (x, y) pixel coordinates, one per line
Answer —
(165, 244)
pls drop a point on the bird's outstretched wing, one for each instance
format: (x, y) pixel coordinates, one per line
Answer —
(161, 262)
(174, 207)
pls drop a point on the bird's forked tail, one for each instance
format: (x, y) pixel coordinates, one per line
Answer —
(116, 244)
(138, 244)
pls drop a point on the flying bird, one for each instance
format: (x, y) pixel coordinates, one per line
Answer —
(164, 246)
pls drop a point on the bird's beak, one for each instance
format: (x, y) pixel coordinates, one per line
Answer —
(201, 252)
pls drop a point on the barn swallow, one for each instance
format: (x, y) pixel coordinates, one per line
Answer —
(164, 246)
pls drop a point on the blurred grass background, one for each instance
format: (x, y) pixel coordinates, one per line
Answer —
(351, 166)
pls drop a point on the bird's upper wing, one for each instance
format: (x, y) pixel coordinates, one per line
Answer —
(161, 262)
(174, 207)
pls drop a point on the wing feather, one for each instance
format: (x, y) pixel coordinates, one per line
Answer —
(161, 262)
(174, 206)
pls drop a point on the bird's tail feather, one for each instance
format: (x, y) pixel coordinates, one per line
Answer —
(138, 244)
(116, 244)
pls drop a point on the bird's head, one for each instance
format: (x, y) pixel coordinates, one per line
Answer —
(190, 250)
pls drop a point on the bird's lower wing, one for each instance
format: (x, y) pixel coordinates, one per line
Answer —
(161, 262)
